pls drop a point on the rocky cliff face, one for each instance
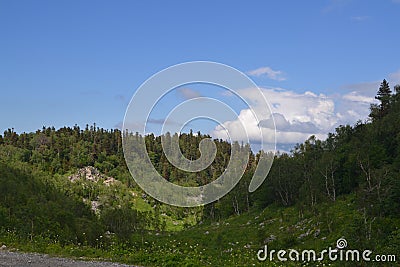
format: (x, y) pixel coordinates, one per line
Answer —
(92, 179)
(92, 174)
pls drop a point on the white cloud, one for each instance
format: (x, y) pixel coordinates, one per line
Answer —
(357, 97)
(297, 107)
(369, 89)
(297, 116)
(245, 118)
(283, 125)
(267, 71)
(364, 88)
(394, 77)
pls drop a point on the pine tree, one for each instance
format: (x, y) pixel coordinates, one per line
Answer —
(384, 94)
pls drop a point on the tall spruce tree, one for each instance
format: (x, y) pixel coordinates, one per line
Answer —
(384, 94)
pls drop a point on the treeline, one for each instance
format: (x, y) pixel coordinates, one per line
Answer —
(59, 151)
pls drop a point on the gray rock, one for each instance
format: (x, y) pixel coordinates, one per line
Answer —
(269, 239)
(17, 259)
(317, 233)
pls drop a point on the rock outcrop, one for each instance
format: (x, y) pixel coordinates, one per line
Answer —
(92, 174)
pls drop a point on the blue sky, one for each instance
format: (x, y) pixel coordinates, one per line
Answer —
(76, 62)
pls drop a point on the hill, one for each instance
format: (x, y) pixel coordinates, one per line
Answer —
(69, 192)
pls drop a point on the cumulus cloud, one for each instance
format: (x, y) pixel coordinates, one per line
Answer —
(283, 125)
(231, 129)
(269, 72)
(297, 107)
(296, 116)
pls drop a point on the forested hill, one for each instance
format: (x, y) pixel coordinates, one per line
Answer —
(35, 170)
(363, 159)
(355, 170)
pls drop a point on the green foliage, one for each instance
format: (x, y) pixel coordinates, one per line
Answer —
(32, 205)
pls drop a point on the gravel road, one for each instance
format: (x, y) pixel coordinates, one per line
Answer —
(9, 258)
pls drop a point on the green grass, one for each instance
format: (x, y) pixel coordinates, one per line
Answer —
(233, 242)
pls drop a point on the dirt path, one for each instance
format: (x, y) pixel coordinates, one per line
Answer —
(8, 258)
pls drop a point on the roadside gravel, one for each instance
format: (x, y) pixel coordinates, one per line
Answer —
(10, 258)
